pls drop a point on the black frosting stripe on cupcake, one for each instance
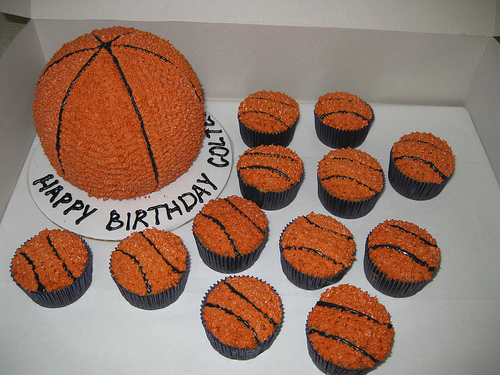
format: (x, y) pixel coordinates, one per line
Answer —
(429, 163)
(56, 253)
(40, 286)
(263, 231)
(270, 100)
(283, 174)
(332, 305)
(265, 113)
(360, 163)
(316, 251)
(223, 228)
(436, 146)
(405, 252)
(350, 178)
(414, 234)
(136, 261)
(347, 342)
(343, 112)
(174, 269)
(250, 152)
(328, 229)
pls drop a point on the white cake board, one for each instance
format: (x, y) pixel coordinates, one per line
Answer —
(174, 205)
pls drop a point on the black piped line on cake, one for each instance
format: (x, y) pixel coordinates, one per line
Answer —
(174, 269)
(65, 266)
(414, 234)
(236, 208)
(223, 228)
(405, 252)
(358, 162)
(429, 163)
(446, 151)
(265, 113)
(258, 153)
(134, 258)
(350, 178)
(343, 112)
(328, 229)
(283, 174)
(40, 286)
(270, 100)
(316, 251)
(332, 305)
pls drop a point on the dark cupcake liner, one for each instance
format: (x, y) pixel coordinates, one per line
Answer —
(328, 367)
(411, 188)
(227, 264)
(158, 300)
(234, 352)
(344, 208)
(253, 138)
(387, 286)
(269, 200)
(67, 295)
(303, 280)
(338, 138)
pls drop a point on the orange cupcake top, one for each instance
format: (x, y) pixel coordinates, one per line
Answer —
(149, 262)
(231, 226)
(318, 245)
(268, 112)
(343, 111)
(403, 251)
(242, 311)
(423, 157)
(270, 168)
(350, 174)
(350, 328)
(51, 260)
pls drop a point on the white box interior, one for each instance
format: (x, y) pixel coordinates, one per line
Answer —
(418, 78)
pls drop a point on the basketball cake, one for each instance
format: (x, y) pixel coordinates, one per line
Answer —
(119, 113)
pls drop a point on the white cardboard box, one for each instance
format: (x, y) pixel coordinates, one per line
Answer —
(424, 67)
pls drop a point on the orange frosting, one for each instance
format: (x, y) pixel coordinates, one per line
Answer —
(343, 111)
(318, 245)
(232, 225)
(51, 260)
(268, 112)
(270, 168)
(423, 157)
(242, 311)
(350, 174)
(119, 113)
(410, 253)
(331, 328)
(152, 259)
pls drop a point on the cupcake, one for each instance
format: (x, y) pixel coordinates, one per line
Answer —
(54, 268)
(270, 175)
(400, 258)
(342, 119)
(230, 233)
(348, 331)
(268, 117)
(350, 182)
(150, 268)
(242, 316)
(316, 250)
(420, 165)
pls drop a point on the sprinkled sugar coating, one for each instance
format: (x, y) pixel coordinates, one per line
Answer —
(316, 250)
(348, 330)
(152, 264)
(342, 110)
(242, 316)
(400, 258)
(54, 267)
(119, 113)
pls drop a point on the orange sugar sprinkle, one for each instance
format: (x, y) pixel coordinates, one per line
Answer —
(343, 111)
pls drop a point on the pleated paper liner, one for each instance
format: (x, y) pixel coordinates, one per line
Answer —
(67, 295)
(391, 287)
(234, 352)
(155, 301)
(339, 138)
(253, 138)
(269, 200)
(227, 264)
(344, 208)
(411, 188)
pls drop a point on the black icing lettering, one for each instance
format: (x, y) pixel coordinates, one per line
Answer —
(187, 206)
(54, 192)
(206, 180)
(139, 216)
(114, 218)
(66, 198)
(43, 182)
(220, 151)
(169, 210)
(86, 214)
(200, 192)
(76, 206)
(128, 221)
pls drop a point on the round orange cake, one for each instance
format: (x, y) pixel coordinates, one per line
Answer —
(119, 113)
(348, 330)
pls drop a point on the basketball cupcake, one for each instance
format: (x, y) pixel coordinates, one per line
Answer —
(268, 117)
(230, 233)
(270, 175)
(242, 316)
(150, 268)
(400, 258)
(54, 268)
(316, 250)
(348, 331)
(342, 119)
(420, 166)
(350, 182)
